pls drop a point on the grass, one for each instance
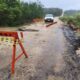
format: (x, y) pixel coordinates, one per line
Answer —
(75, 19)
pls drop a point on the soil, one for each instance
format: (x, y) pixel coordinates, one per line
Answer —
(51, 56)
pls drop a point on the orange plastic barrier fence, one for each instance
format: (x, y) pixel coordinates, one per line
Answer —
(15, 38)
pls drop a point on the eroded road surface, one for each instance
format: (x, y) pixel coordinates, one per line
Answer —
(45, 48)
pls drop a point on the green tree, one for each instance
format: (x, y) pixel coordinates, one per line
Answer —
(54, 11)
(14, 12)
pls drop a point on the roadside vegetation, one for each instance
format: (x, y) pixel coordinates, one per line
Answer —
(54, 11)
(71, 19)
(15, 12)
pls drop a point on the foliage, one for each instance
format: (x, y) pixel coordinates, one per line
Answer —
(14, 12)
(71, 12)
(75, 19)
(54, 11)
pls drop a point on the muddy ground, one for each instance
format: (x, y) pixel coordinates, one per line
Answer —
(51, 56)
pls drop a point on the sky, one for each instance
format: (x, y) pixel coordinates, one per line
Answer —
(63, 4)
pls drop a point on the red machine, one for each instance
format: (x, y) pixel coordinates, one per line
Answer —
(15, 38)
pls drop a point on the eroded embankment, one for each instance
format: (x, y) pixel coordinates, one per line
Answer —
(72, 69)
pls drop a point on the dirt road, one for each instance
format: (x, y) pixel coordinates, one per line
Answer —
(45, 48)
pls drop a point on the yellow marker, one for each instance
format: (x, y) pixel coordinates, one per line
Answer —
(6, 39)
(9, 39)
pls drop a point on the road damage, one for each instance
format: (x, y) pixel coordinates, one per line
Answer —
(51, 56)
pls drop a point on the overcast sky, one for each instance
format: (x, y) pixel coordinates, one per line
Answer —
(64, 4)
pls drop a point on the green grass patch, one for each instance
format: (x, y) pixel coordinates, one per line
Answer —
(74, 19)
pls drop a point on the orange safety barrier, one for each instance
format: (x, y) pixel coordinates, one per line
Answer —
(16, 38)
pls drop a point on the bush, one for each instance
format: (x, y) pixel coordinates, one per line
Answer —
(74, 19)
(14, 12)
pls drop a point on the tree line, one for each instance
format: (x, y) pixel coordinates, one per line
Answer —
(54, 11)
(15, 12)
(71, 12)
